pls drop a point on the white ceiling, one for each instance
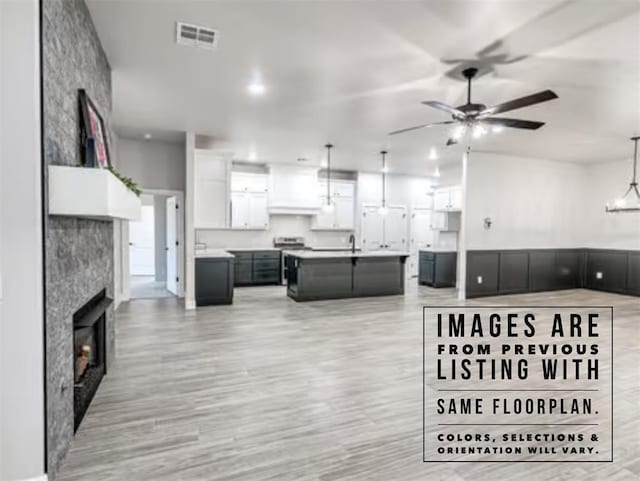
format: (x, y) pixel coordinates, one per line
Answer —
(349, 72)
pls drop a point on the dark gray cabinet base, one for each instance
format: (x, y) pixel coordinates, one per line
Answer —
(338, 278)
(255, 268)
(214, 281)
(491, 273)
(437, 269)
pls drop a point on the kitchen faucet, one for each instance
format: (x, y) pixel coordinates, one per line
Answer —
(352, 240)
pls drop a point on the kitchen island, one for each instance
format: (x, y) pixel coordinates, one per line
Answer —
(335, 275)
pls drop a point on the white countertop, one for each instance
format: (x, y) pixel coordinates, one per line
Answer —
(343, 254)
(213, 253)
(251, 249)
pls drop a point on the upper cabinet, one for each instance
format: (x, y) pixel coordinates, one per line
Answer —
(448, 199)
(249, 182)
(249, 200)
(211, 200)
(293, 189)
(342, 215)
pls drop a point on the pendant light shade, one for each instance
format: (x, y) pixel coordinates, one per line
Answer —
(630, 200)
(328, 206)
(383, 203)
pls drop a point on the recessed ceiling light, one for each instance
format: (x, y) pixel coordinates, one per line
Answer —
(433, 154)
(256, 88)
(252, 156)
(147, 136)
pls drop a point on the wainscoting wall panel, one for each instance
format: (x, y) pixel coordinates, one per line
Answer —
(498, 272)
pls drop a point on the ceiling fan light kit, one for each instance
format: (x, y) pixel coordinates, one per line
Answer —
(630, 200)
(477, 117)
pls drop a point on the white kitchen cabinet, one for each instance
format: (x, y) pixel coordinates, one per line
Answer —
(249, 210)
(421, 235)
(384, 231)
(344, 213)
(448, 199)
(445, 221)
(249, 182)
(211, 199)
(342, 216)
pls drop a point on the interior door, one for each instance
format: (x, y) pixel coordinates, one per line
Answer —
(172, 245)
(421, 235)
(395, 229)
(372, 228)
(141, 243)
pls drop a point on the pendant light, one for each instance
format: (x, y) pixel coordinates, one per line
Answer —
(383, 204)
(328, 206)
(630, 200)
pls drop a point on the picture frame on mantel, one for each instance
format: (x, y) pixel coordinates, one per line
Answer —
(94, 146)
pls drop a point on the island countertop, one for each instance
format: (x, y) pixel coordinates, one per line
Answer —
(303, 254)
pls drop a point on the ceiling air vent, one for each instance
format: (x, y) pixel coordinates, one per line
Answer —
(196, 36)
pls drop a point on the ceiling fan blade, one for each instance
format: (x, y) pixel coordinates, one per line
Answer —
(408, 129)
(532, 99)
(447, 108)
(515, 123)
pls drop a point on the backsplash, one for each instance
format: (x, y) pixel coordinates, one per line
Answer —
(279, 225)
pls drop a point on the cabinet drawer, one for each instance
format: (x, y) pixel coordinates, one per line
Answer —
(266, 264)
(242, 256)
(266, 277)
(267, 255)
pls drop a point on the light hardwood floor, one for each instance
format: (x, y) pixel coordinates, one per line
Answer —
(270, 389)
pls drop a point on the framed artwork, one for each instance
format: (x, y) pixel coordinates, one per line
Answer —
(93, 135)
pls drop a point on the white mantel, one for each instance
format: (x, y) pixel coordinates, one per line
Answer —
(90, 193)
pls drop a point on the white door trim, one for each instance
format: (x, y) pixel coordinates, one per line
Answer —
(180, 256)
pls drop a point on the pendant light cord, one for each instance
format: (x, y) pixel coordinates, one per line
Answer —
(384, 178)
(329, 146)
(635, 160)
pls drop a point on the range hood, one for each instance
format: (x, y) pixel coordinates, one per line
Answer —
(293, 190)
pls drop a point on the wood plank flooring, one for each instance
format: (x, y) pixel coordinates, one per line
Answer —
(270, 389)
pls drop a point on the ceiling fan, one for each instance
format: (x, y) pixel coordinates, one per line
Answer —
(477, 116)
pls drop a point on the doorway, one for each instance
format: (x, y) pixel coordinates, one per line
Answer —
(155, 256)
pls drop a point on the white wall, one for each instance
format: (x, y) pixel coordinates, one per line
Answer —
(605, 182)
(279, 225)
(532, 203)
(153, 164)
(21, 260)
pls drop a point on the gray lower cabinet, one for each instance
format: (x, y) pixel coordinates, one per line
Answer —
(214, 281)
(437, 269)
(257, 268)
(343, 277)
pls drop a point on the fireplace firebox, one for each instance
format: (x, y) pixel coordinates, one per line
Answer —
(89, 353)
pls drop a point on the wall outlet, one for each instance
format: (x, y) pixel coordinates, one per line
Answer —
(479, 279)
(599, 275)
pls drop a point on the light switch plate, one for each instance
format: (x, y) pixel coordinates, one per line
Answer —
(599, 275)
(479, 279)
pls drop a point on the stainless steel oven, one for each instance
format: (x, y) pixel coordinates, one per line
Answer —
(288, 244)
